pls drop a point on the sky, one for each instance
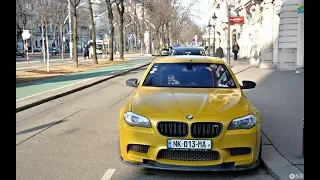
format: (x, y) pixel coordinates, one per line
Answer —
(201, 11)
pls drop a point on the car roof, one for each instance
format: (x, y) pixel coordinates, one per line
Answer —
(187, 48)
(189, 58)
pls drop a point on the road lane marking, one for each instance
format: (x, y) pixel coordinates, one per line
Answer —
(108, 174)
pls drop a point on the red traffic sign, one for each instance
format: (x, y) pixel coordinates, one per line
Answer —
(236, 20)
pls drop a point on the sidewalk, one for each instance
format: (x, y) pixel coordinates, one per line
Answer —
(29, 94)
(280, 98)
(25, 66)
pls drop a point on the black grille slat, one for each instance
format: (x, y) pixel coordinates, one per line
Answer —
(206, 129)
(189, 155)
(173, 129)
(138, 148)
(240, 151)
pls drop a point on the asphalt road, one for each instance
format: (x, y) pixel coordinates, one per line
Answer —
(75, 137)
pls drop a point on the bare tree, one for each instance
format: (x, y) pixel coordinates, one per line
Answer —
(110, 17)
(58, 21)
(120, 9)
(74, 4)
(44, 15)
(26, 17)
(93, 32)
(188, 32)
(83, 25)
(180, 15)
(142, 28)
(21, 17)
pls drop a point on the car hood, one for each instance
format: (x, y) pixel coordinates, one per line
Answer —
(185, 101)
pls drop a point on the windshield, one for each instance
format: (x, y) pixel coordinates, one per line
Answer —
(177, 52)
(99, 46)
(191, 75)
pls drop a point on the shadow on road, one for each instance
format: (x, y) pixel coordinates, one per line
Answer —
(40, 127)
(153, 173)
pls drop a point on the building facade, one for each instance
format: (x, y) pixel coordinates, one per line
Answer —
(218, 35)
(273, 33)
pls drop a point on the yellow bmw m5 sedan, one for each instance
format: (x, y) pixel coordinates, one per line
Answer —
(190, 113)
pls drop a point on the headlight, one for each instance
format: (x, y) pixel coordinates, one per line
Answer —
(136, 120)
(246, 122)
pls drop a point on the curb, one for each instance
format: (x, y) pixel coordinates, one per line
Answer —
(24, 107)
(242, 69)
(276, 165)
(36, 103)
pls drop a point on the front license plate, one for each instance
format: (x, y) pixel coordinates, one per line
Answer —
(189, 144)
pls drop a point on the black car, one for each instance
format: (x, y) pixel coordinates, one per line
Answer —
(53, 51)
(20, 52)
(198, 51)
(165, 52)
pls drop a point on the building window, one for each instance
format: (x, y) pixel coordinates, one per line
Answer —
(218, 6)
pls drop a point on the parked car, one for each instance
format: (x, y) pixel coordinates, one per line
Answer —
(190, 113)
(165, 52)
(199, 51)
(37, 49)
(20, 52)
(53, 51)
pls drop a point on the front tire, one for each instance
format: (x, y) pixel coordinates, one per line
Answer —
(260, 152)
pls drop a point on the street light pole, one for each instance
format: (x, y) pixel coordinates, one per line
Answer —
(209, 28)
(228, 46)
(209, 41)
(214, 17)
(230, 3)
(70, 29)
(214, 40)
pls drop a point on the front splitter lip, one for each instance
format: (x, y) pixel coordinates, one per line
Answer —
(214, 168)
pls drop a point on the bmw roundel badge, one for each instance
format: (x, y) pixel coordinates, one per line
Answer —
(189, 117)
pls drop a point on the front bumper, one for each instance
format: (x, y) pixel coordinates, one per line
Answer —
(227, 140)
(221, 167)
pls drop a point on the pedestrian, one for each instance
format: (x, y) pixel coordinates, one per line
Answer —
(235, 50)
(219, 52)
(170, 50)
(86, 52)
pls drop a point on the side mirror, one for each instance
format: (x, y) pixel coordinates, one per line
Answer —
(132, 82)
(248, 85)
